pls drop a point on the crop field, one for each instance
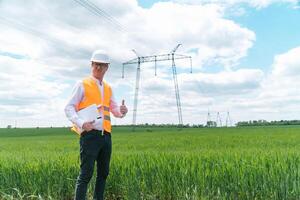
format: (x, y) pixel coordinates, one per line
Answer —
(157, 164)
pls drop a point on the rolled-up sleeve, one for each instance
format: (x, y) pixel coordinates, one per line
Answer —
(70, 108)
(115, 108)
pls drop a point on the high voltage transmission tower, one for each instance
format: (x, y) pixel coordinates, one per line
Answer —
(208, 119)
(228, 120)
(156, 58)
(219, 120)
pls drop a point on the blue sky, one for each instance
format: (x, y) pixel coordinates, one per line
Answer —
(147, 3)
(277, 30)
(245, 58)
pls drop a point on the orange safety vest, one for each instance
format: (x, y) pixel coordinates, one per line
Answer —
(92, 95)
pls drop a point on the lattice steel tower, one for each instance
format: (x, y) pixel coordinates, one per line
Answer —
(156, 58)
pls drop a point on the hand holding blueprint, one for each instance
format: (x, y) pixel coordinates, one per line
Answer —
(88, 114)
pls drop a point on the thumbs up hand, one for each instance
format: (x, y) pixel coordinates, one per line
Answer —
(123, 108)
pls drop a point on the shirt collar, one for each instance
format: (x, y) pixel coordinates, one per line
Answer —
(100, 83)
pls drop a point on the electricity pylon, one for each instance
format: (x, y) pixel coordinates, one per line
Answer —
(228, 120)
(219, 120)
(156, 58)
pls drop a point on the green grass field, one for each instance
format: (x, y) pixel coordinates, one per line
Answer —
(217, 163)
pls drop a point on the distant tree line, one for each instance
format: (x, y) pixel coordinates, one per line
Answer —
(147, 125)
(268, 123)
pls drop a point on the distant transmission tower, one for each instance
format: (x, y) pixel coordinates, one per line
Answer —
(208, 120)
(155, 58)
(228, 120)
(219, 120)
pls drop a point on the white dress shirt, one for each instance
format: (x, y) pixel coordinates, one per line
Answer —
(78, 95)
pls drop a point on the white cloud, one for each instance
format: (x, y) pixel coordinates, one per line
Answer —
(283, 82)
(223, 83)
(25, 90)
(287, 65)
(279, 96)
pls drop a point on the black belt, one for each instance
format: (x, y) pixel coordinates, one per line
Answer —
(93, 130)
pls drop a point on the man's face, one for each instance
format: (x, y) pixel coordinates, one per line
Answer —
(99, 69)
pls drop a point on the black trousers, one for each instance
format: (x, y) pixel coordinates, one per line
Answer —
(94, 147)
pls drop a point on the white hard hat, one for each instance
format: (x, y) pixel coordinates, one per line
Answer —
(100, 56)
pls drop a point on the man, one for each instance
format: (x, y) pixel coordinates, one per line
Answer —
(95, 140)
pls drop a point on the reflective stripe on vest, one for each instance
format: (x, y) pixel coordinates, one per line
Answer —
(106, 108)
(106, 117)
(92, 95)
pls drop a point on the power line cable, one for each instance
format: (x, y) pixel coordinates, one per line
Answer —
(100, 13)
(108, 16)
